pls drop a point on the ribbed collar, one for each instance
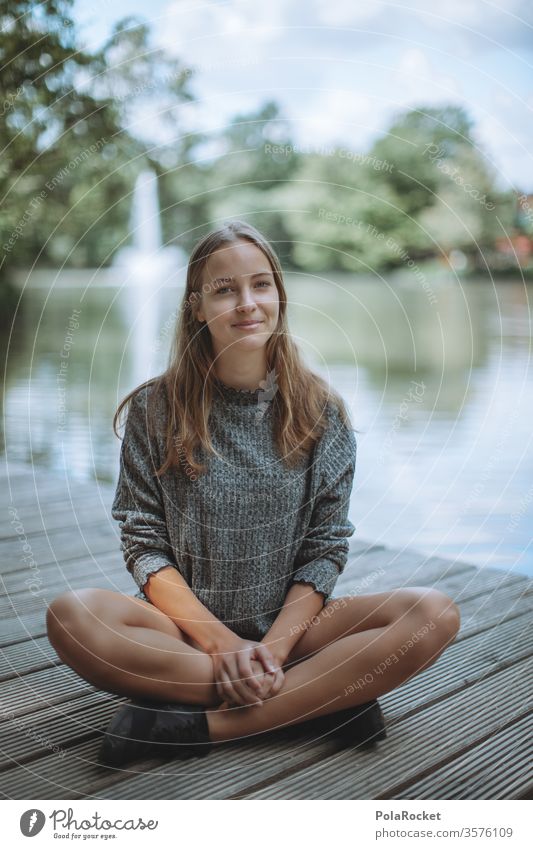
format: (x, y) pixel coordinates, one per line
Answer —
(237, 396)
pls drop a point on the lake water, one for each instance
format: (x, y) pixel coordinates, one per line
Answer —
(438, 380)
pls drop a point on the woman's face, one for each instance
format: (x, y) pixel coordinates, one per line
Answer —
(238, 286)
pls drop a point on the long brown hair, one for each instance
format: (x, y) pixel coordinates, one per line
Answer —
(301, 397)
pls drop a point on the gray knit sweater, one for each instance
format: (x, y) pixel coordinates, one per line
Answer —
(242, 533)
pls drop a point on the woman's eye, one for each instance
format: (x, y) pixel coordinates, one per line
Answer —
(222, 289)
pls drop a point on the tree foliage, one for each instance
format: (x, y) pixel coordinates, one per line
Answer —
(77, 127)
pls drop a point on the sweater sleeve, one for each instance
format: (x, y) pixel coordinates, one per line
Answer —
(324, 550)
(138, 503)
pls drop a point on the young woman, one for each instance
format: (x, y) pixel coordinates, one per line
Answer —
(236, 470)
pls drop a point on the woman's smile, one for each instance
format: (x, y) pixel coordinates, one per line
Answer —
(247, 325)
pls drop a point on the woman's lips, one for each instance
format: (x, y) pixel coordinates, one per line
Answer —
(248, 326)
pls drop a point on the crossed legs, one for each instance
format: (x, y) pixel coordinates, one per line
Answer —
(354, 651)
(357, 649)
(128, 646)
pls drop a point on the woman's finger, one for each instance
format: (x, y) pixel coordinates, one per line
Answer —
(220, 691)
(264, 654)
(275, 683)
(268, 681)
(278, 682)
(258, 676)
(228, 690)
(245, 670)
(244, 693)
(218, 686)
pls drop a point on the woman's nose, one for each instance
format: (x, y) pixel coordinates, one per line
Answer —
(246, 299)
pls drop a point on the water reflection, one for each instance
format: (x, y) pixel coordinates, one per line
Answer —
(440, 393)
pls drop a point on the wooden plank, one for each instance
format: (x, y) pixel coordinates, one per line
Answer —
(484, 612)
(30, 656)
(461, 585)
(478, 612)
(23, 603)
(41, 689)
(366, 557)
(14, 630)
(87, 766)
(497, 768)
(13, 580)
(378, 570)
(15, 571)
(453, 585)
(413, 749)
(80, 573)
(462, 580)
(330, 776)
(58, 545)
(17, 582)
(54, 729)
(78, 775)
(479, 655)
(45, 694)
(463, 663)
(45, 517)
(362, 546)
(483, 654)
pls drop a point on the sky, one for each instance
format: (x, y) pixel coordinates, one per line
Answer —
(341, 70)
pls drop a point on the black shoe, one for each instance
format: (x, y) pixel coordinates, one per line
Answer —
(144, 728)
(361, 724)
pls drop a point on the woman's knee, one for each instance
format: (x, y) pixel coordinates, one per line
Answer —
(71, 613)
(430, 618)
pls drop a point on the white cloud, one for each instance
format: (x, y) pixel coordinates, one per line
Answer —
(341, 86)
(508, 20)
(346, 12)
(420, 81)
(206, 33)
(357, 115)
(505, 133)
(336, 116)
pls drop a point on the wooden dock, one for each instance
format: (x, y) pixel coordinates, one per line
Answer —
(459, 730)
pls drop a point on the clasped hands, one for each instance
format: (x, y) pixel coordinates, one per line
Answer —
(246, 673)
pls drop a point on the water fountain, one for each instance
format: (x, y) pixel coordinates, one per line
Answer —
(149, 269)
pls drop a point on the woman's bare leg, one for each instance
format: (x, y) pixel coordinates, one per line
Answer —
(127, 646)
(358, 666)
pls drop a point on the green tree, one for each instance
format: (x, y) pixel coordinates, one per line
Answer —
(333, 211)
(68, 166)
(255, 148)
(232, 175)
(444, 185)
(46, 126)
